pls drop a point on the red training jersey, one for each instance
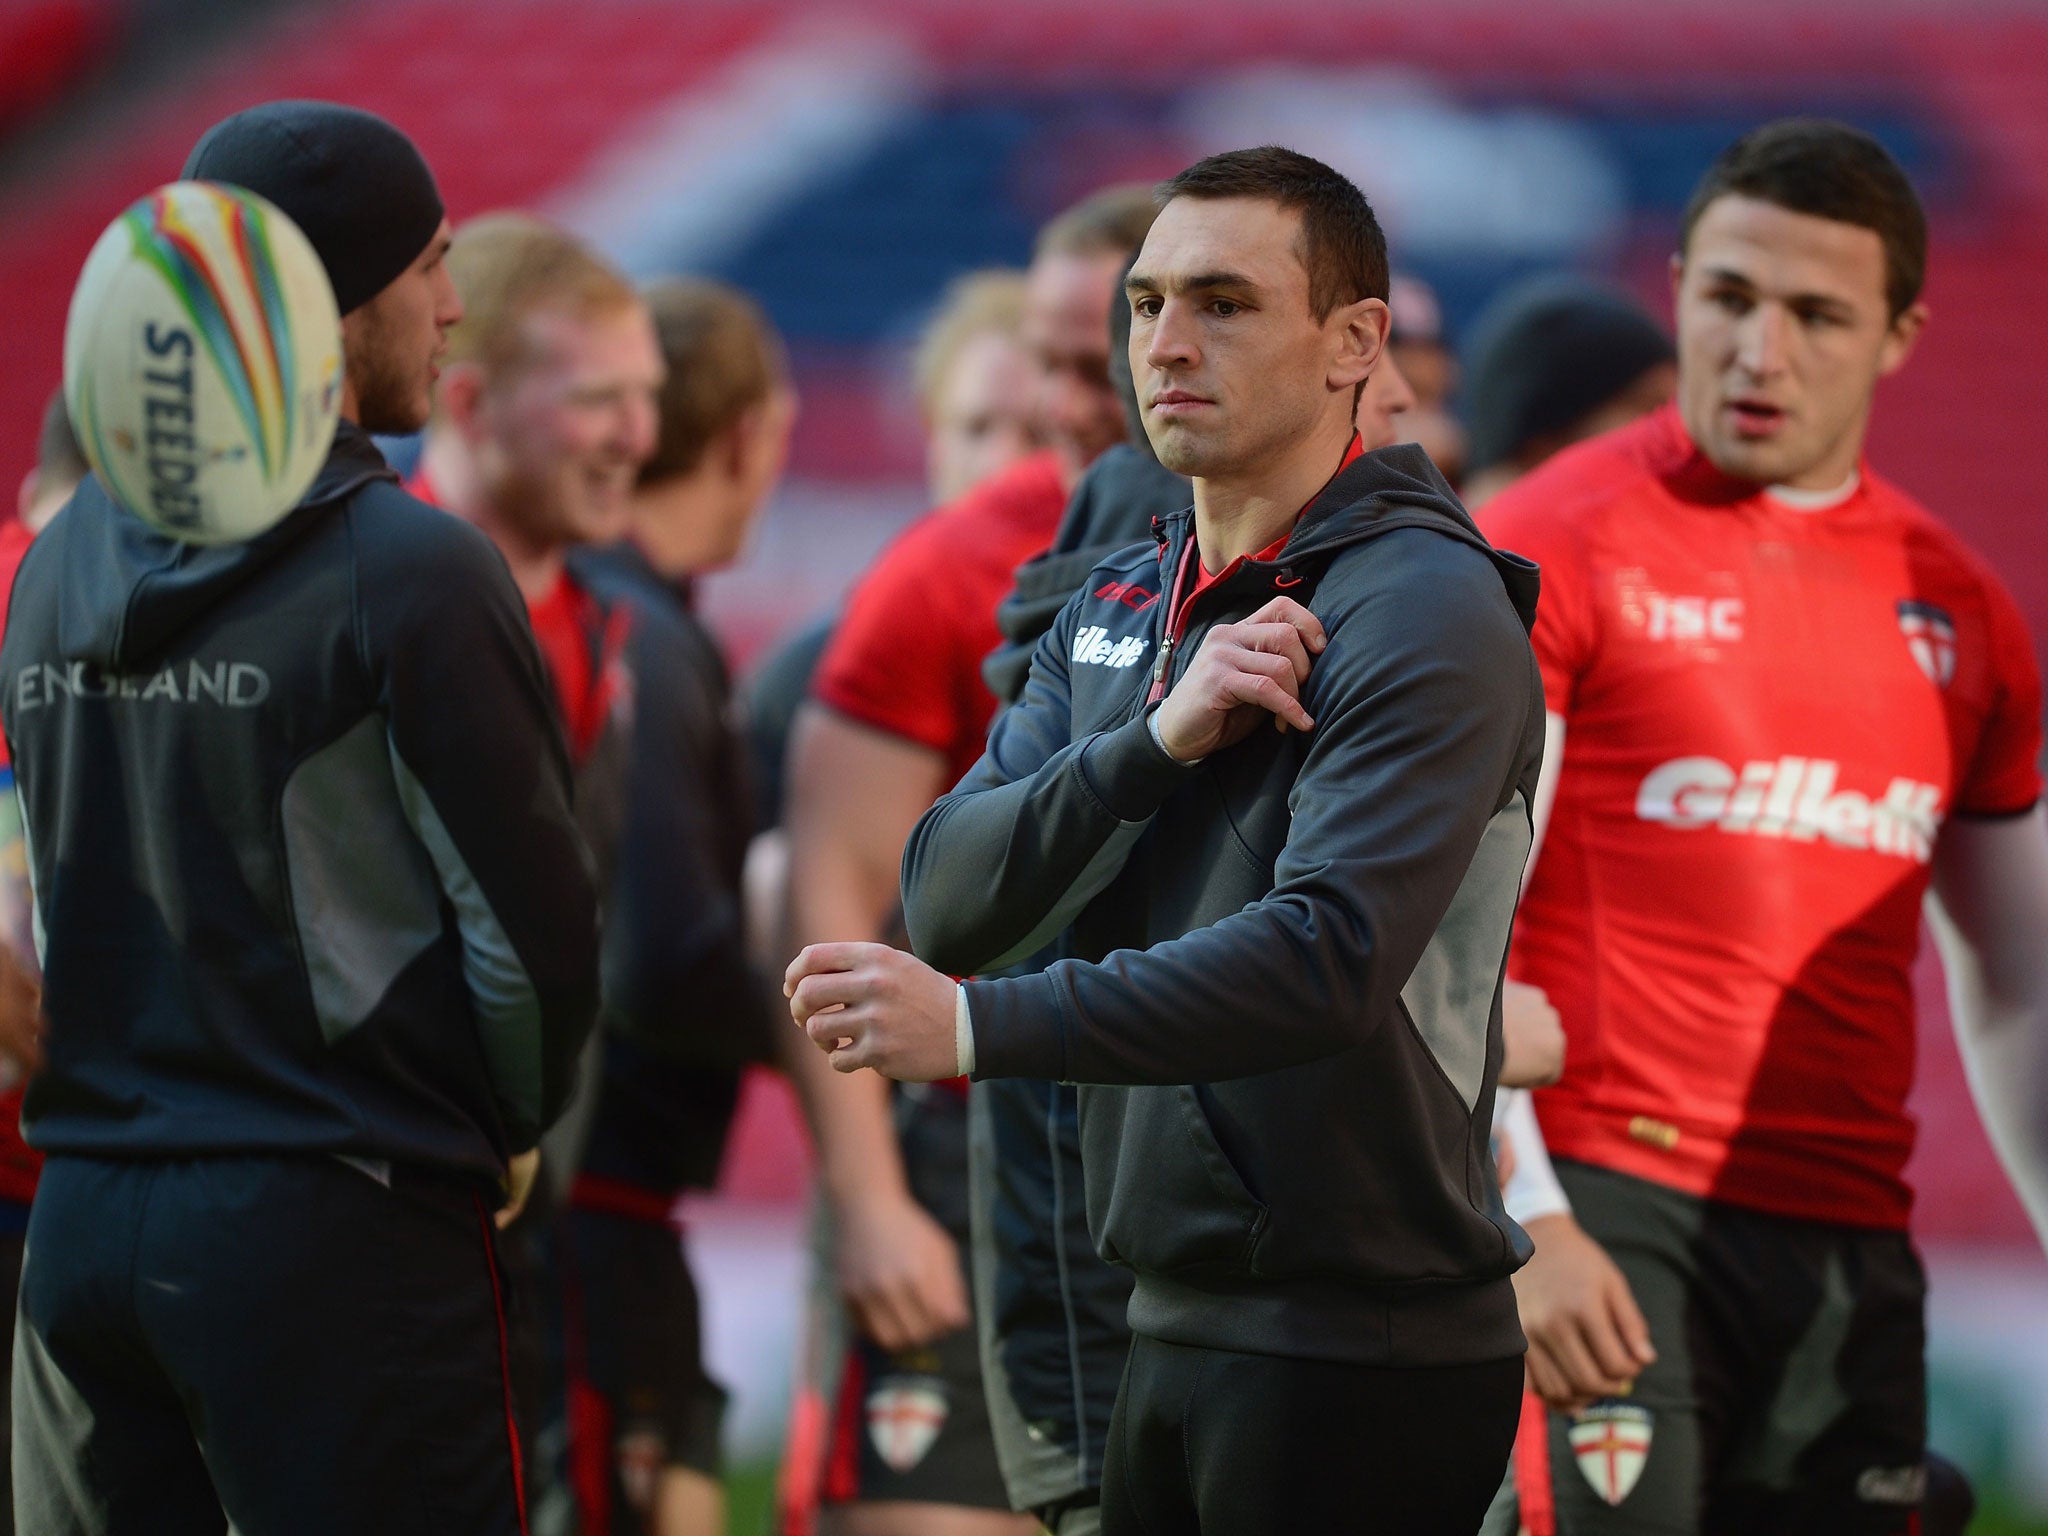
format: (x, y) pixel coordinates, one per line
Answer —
(906, 655)
(578, 641)
(1769, 713)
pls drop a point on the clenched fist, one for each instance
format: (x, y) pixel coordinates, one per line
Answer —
(869, 1005)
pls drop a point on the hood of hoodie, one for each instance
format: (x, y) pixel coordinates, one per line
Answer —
(127, 591)
(1389, 488)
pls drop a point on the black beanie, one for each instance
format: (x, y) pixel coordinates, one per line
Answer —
(351, 181)
(1546, 353)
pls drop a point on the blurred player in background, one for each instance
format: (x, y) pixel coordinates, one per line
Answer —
(1554, 360)
(899, 711)
(1422, 356)
(975, 384)
(317, 967)
(1787, 706)
(544, 416)
(976, 391)
(59, 467)
(685, 1011)
(548, 412)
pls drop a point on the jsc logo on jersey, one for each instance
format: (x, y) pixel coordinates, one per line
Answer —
(1792, 797)
(1611, 1441)
(1094, 647)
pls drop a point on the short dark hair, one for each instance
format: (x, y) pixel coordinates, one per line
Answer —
(1816, 166)
(1342, 245)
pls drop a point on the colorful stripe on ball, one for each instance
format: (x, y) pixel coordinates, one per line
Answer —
(254, 375)
(252, 243)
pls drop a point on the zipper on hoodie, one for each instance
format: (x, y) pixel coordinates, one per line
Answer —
(1177, 608)
(1180, 609)
(1176, 625)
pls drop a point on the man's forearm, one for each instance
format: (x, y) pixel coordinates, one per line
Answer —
(2002, 1059)
(842, 851)
(2004, 1046)
(991, 874)
(851, 1128)
(1988, 910)
(1249, 994)
(1532, 1191)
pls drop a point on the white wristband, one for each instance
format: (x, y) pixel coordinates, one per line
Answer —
(1533, 1191)
(963, 1033)
(1152, 730)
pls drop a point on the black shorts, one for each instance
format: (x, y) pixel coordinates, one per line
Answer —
(1789, 1391)
(873, 1426)
(913, 1425)
(284, 1344)
(639, 1397)
(1214, 1442)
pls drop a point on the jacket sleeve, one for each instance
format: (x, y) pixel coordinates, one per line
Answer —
(483, 775)
(1428, 716)
(1036, 828)
(676, 963)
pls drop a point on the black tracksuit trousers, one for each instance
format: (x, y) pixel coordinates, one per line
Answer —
(286, 1344)
(1207, 1442)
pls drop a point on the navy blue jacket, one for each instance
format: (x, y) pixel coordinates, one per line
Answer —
(298, 811)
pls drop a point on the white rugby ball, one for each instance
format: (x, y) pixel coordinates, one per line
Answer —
(202, 362)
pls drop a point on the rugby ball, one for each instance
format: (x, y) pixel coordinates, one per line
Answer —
(202, 362)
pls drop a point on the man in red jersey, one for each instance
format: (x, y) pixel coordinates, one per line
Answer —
(685, 1006)
(546, 411)
(1786, 706)
(899, 711)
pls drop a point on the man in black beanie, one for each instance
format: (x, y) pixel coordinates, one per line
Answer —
(1553, 361)
(365, 199)
(319, 946)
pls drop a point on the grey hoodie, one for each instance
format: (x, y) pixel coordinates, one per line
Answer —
(1289, 956)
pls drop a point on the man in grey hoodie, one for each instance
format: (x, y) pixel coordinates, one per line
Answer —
(1273, 777)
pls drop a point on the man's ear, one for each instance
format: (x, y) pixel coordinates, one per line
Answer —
(766, 428)
(1361, 331)
(1900, 339)
(733, 448)
(25, 498)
